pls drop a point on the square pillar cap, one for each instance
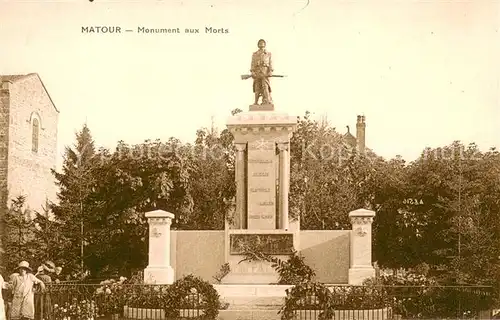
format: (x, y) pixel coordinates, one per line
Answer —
(159, 214)
(362, 213)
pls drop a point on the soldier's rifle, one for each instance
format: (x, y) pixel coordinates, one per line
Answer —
(248, 76)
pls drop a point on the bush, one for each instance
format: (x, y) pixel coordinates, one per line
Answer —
(307, 296)
(189, 292)
(146, 296)
(111, 296)
(224, 271)
(192, 292)
(292, 271)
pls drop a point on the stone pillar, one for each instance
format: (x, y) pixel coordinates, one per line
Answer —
(360, 267)
(284, 182)
(159, 270)
(240, 216)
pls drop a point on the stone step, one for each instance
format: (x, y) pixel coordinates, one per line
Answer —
(255, 302)
(249, 315)
(247, 290)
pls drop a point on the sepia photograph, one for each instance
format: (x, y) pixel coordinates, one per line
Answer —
(249, 160)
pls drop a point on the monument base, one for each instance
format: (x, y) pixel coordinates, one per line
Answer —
(250, 278)
(255, 272)
(262, 107)
(359, 274)
(159, 275)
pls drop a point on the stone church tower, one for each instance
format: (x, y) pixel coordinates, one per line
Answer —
(28, 140)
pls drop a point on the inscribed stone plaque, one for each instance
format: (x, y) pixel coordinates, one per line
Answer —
(261, 185)
(278, 244)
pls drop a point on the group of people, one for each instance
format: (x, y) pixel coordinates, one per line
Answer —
(23, 284)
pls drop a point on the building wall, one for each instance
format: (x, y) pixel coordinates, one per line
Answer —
(30, 172)
(202, 253)
(4, 141)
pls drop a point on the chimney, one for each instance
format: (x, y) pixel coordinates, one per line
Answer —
(4, 84)
(360, 134)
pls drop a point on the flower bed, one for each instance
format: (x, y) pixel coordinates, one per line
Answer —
(189, 297)
(111, 296)
(75, 310)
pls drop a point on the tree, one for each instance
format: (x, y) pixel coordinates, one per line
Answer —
(474, 251)
(392, 234)
(213, 185)
(315, 152)
(134, 180)
(18, 235)
(48, 236)
(75, 184)
(328, 176)
(444, 212)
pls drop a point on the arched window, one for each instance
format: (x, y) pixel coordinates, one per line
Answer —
(34, 135)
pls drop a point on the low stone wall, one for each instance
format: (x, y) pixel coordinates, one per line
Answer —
(199, 252)
(202, 253)
(327, 253)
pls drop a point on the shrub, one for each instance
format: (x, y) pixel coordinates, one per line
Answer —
(292, 271)
(224, 271)
(307, 296)
(146, 296)
(192, 292)
(111, 296)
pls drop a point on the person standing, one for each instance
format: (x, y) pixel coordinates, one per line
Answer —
(56, 277)
(3, 285)
(43, 305)
(23, 306)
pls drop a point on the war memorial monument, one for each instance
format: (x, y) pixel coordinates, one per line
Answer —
(262, 175)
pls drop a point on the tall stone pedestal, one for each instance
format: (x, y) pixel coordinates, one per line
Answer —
(159, 270)
(360, 267)
(262, 140)
(262, 173)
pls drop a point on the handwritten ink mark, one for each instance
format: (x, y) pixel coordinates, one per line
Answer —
(295, 14)
(307, 4)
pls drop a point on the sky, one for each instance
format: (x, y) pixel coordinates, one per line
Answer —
(424, 73)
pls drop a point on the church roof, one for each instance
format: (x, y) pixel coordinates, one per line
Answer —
(18, 77)
(12, 78)
(350, 139)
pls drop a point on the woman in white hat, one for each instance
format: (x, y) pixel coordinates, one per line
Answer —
(23, 306)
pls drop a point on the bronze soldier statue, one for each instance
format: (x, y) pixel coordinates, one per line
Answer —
(261, 71)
